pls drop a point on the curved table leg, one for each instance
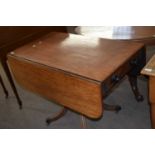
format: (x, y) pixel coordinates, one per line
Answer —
(4, 89)
(57, 116)
(134, 87)
(115, 108)
(61, 113)
(137, 65)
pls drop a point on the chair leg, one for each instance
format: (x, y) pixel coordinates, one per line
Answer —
(4, 89)
(57, 116)
(83, 122)
(6, 69)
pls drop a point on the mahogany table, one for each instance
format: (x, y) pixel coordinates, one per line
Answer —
(144, 34)
(77, 72)
(149, 70)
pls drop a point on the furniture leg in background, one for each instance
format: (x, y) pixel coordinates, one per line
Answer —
(152, 99)
(83, 122)
(8, 74)
(3, 86)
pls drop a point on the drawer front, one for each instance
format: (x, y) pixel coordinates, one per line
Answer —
(123, 70)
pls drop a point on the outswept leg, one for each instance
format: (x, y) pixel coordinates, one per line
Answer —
(137, 66)
(115, 108)
(60, 114)
(134, 87)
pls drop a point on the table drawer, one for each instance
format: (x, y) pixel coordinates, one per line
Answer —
(118, 75)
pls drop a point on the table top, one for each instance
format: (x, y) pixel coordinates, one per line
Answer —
(149, 69)
(91, 58)
(119, 32)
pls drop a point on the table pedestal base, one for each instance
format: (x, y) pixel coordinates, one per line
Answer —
(63, 111)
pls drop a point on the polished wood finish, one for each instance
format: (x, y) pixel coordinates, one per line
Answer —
(12, 37)
(152, 99)
(149, 70)
(73, 70)
(72, 91)
(84, 56)
(144, 34)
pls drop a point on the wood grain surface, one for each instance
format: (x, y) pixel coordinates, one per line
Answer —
(149, 68)
(92, 58)
(152, 99)
(74, 92)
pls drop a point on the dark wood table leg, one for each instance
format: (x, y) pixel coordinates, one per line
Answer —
(6, 69)
(57, 116)
(3, 86)
(115, 108)
(137, 66)
(134, 87)
(61, 113)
